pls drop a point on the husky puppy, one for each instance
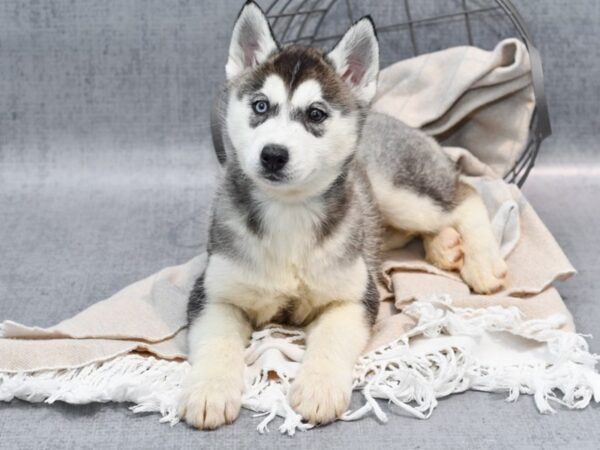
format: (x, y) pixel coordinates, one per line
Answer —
(297, 220)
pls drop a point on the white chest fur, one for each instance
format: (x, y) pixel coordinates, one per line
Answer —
(287, 267)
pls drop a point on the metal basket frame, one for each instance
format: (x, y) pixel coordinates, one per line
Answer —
(288, 10)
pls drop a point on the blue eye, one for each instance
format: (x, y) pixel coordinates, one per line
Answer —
(260, 107)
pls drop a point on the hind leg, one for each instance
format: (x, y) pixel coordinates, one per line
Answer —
(408, 214)
(483, 268)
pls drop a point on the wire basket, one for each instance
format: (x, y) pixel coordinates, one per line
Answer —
(408, 28)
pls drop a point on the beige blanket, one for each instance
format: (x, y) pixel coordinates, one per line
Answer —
(432, 338)
(465, 97)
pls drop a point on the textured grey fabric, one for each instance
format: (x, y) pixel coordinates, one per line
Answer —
(106, 174)
(567, 34)
(82, 75)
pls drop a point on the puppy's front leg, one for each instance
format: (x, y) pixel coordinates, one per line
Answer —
(213, 389)
(321, 391)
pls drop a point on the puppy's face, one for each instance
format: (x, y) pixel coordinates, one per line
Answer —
(294, 115)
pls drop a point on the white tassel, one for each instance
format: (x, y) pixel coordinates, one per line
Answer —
(151, 383)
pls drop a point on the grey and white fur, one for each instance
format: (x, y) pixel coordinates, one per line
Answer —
(311, 183)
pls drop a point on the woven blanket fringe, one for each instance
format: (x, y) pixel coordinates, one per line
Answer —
(411, 380)
(152, 384)
(414, 382)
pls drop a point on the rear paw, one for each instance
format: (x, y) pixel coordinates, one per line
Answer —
(444, 250)
(484, 275)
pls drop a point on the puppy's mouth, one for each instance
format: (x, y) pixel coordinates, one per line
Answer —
(275, 177)
(286, 185)
(288, 178)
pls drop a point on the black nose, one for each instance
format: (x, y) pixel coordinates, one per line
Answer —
(274, 157)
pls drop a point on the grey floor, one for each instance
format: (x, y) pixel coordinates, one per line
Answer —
(106, 175)
(69, 239)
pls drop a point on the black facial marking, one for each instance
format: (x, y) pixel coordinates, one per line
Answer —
(197, 300)
(295, 72)
(299, 115)
(296, 64)
(250, 86)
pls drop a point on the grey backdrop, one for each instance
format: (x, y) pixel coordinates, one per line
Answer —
(106, 173)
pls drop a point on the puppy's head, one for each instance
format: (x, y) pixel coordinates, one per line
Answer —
(294, 114)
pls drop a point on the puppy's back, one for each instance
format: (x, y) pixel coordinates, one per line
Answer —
(408, 159)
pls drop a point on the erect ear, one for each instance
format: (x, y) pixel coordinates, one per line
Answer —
(356, 58)
(252, 41)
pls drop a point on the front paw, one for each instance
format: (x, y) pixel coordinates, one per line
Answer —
(321, 395)
(209, 402)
